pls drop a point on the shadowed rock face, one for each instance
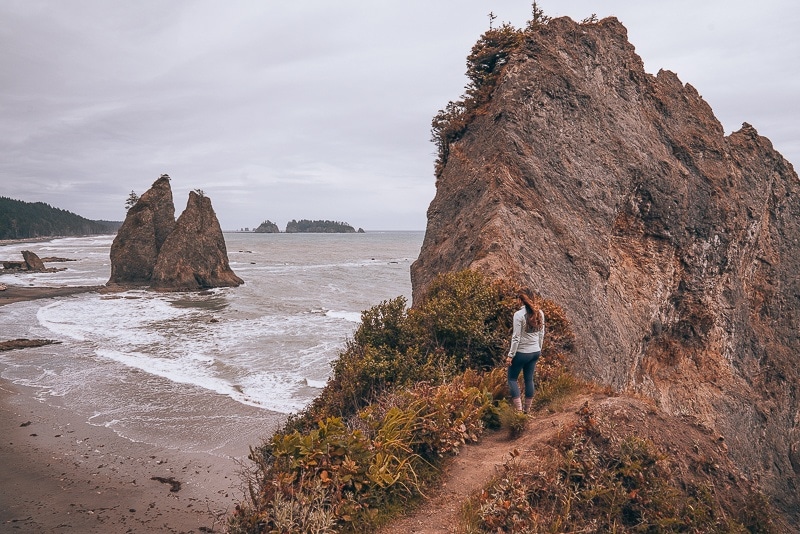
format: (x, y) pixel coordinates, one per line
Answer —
(672, 247)
(32, 261)
(194, 255)
(152, 249)
(136, 246)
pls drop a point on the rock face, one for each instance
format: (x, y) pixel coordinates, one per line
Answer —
(194, 255)
(672, 247)
(151, 249)
(136, 247)
(32, 261)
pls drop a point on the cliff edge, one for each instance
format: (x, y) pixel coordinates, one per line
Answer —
(671, 246)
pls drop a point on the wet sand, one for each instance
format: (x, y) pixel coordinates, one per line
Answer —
(60, 474)
(23, 293)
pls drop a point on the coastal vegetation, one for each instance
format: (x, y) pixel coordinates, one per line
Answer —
(378, 434)
(414, 386)
(485, 65)
(600, 478)
(26, 220)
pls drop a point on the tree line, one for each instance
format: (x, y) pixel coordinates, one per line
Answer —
(308, 226)
(25, 220)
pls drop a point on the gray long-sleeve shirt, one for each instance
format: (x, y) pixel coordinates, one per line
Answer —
(522, 341)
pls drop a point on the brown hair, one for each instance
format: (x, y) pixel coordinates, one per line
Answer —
(533, 317)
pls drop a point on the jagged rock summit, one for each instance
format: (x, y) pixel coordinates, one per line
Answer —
(672, 247)
(152, 249)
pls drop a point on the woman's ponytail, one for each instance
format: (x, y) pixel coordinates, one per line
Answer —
(533, 317)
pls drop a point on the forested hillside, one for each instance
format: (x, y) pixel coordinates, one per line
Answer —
(23, 220)
(320, 227)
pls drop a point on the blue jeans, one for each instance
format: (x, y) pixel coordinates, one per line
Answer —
(525, 362)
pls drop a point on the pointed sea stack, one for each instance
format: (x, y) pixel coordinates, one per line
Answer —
(671, 246)
(152, 249)
(136, 247)
(194, 255)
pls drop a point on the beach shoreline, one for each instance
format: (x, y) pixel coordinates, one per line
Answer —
(61, 474)
(4, 242)
(12, 294)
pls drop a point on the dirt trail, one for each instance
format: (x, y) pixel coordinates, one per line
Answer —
(475, 466)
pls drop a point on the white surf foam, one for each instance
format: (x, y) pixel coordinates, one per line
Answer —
(353, 317)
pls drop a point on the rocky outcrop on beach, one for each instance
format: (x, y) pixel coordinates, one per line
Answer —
(671, 246)
(30, 262)
(152, 249)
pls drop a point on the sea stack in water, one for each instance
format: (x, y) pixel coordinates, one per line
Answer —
(671, 246)
(135, 248)
(194, 254)
(152, 249)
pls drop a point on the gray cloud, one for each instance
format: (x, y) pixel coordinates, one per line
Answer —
(313, 109)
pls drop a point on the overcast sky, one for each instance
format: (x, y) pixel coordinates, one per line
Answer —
(317, 109)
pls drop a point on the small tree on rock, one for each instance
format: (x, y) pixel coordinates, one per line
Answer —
(131, 201)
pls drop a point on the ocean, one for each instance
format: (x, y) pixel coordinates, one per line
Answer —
(214, 371)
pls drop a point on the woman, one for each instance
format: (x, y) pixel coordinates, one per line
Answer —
(526, 347)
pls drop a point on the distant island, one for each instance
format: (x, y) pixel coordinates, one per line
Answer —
(305, 226)
(267, 227)
(26, 220)
(320, 227)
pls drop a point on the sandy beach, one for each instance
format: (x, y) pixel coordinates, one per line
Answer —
(60, 474)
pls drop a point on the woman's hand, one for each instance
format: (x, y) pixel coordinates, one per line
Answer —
(508, 361)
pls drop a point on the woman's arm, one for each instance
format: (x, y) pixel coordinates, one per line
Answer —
(515, 335)
(541, 331)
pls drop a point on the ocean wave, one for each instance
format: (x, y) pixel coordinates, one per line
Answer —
(353, 317)
(146, 363)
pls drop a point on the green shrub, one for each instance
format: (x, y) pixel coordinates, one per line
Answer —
(351, 477)
(409, 390)
(554, 382)
(484, 66)
(463, 323)
(512, 419)
(466, 316)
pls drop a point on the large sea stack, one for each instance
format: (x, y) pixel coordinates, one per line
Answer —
(138, 241)
(672, 247)
(194, 254)
(152, 249)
